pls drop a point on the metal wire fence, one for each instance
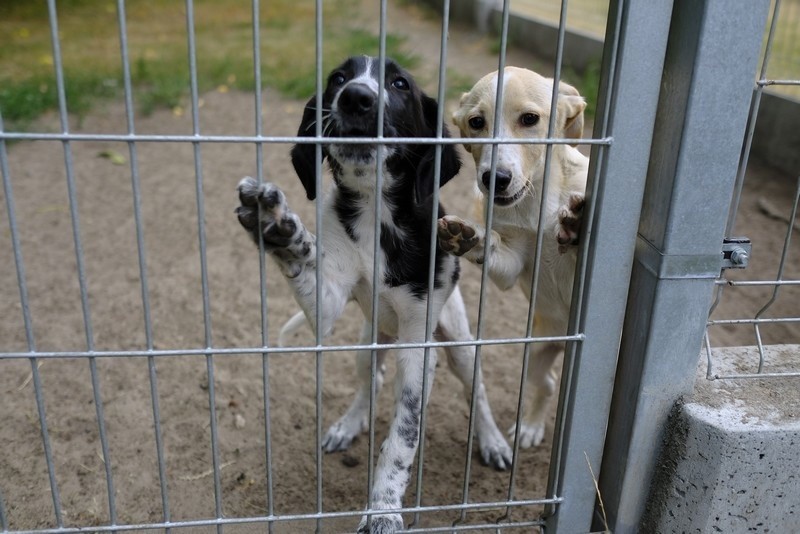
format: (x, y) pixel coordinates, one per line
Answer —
(738, 286)
(589, 414)
(619, 145)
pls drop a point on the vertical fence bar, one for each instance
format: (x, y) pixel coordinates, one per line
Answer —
(76, 236)
(709, 66)
(262, 271)
(377, 254)
(752, 117)
(137, 211)
(430, 324)
(489, 212)
(19, 264)
(614, 193)
(201, 232)
(537, 254)
(319, 258)
(778, 277)
(3, 520)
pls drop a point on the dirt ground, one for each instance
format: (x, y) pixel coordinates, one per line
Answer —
(167, 173)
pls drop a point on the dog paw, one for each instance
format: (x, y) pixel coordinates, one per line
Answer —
(381, 524)
(531, 434)
(456, 236)
(342, 433)
(496, 453)
(570, 219)
(278, 225)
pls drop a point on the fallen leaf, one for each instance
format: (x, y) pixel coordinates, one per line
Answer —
(113, 156)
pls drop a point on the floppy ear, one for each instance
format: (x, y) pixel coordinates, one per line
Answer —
(459, 119)
(426, 169)
(304, 154)
(570, 106)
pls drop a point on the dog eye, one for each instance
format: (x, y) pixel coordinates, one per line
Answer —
(337, 78)
(477, 123)
(401, 83)
(529, 119)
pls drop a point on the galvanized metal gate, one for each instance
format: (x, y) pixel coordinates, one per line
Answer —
(710, 49)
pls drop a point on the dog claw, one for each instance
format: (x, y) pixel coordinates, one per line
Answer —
(336, 443)
(456, 236)
(499, 460)
(530, 435)
(570, 220)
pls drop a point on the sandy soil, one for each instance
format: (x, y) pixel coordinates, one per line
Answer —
(173, 267)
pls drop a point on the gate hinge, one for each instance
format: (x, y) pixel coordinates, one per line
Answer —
(735, 252)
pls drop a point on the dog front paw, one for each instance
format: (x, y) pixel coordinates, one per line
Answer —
(278, 225)
(531, 434)
(456, 236)
(342, 433)
(381, 524)
(570, 219)
(495, 452)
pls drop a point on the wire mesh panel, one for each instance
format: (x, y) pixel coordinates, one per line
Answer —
(145, 386)
(755, 298)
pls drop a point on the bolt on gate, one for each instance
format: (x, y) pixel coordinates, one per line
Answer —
(646, 94)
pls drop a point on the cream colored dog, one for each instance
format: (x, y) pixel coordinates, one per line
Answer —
(517, 202)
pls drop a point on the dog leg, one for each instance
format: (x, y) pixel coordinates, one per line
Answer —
(570, 219)
(453, 326)
(462, 238)
(356, 419)
(541, 380)
(399, 449)
(292, 247)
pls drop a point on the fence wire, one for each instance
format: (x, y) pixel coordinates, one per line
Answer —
(783, 280)
(154, 356)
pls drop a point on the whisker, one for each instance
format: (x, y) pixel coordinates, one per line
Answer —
(315, 107)
(313, 123)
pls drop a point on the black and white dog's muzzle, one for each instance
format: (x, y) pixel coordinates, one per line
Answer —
(354, 113)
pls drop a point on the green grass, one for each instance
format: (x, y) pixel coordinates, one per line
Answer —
(158, 51)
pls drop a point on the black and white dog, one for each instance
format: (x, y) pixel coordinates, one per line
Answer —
(350, 109)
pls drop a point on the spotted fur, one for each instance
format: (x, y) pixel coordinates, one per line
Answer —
(350, 110)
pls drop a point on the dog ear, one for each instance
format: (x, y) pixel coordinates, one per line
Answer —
(459, 119)
(570, 106)
(304, 154)
(426, 168)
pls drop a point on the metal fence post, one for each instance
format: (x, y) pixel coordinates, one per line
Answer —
(706, 88)
(636, 39)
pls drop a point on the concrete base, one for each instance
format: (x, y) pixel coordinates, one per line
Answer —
(731, 462)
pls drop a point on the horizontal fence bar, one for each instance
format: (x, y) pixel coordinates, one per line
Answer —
(753, 321)
(296, 517)
(745, 283)
(283, 350)
(777, 82)
(154, 138)
(756, 375)
(463, 528)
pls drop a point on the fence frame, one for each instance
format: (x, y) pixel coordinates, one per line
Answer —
(710, 65)
(670, 264)
(636, 39)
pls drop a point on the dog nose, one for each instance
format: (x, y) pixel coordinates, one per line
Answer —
(502, 180)
(356, 99)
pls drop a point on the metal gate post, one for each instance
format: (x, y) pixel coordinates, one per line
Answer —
(636, 39)
(706, 88)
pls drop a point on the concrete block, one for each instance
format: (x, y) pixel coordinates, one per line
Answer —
(731, 462)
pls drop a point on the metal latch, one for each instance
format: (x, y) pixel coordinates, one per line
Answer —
(735, 252)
